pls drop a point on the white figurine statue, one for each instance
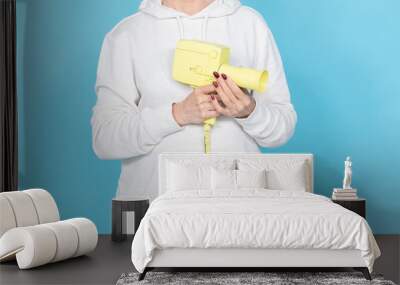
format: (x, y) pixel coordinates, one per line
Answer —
(347, 174)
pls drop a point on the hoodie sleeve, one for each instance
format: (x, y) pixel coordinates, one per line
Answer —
(119, 129)
(273, 120)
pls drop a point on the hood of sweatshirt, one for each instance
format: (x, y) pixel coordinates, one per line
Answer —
(217, 8)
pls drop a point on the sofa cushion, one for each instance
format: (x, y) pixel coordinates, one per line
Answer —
(7, 220)
(37, 245)
(26, 208)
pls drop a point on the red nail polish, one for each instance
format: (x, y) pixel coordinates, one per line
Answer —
(215, 83)
(216, 74)
(224, 76)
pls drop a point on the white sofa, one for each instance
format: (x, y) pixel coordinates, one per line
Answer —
(31, 231)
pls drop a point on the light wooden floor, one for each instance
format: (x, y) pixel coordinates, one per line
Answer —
(110, 260)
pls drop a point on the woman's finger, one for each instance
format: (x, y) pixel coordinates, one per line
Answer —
(206, 89)
(222, 95)
(209, 114)
(236, 90)
(245, 91)
(219, 100)
(202, 98)
(222, 81)
(219, 108)
(238, 104)
(208, 106)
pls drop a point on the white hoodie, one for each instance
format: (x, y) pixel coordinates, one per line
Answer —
(132, 120)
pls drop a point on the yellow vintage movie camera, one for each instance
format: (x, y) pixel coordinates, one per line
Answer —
(194, 64)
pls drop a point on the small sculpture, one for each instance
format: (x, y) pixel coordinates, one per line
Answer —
(347, 174)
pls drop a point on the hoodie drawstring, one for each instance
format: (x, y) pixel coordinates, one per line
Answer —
(204, 28)
(181, 27)
(228, 30)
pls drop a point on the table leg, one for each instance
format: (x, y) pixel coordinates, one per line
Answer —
(116, 234)
(140, 211)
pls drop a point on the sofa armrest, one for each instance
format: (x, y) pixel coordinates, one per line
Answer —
(41, 244)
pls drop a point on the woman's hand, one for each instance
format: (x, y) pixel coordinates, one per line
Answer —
(236, 103)
(196, 107)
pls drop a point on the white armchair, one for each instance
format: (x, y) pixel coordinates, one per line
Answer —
(32, 233)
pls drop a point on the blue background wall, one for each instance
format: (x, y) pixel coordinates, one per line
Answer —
(342, 62)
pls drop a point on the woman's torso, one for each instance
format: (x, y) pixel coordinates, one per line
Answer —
(152, 48)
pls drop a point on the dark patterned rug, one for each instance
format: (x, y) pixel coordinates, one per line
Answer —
(244, 278)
